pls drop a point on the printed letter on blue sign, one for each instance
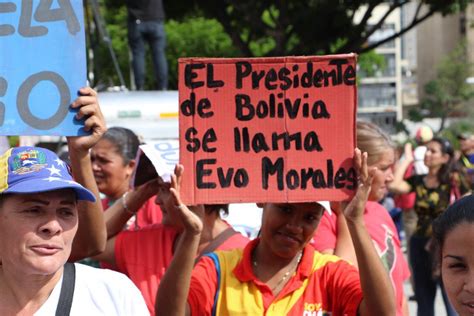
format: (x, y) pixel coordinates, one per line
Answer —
(42, 44)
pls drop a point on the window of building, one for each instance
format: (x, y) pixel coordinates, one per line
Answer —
(386, 30)
(377, 95)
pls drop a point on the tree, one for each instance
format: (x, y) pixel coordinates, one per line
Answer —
(449, 93)
(195, 37)
(268, 28)
(192, 36)
(295, 27)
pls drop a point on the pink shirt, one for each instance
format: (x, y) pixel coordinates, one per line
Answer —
(383, 232)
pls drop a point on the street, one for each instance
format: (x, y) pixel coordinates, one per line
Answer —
(439, 305)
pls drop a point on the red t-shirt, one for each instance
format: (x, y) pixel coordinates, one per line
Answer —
(148, 214)
(383, 232)
(145, 254)
(321, 284)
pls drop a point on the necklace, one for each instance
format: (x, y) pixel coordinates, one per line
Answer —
(282, 281)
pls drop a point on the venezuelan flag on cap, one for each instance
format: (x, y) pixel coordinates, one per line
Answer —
(36, 170)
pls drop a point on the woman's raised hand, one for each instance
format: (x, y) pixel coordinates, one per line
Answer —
(87, 106)
(190, 220)
(355, 209)
(408, 152)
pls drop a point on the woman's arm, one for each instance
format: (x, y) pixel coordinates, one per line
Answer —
(91, 236)
(379, 298)
(117, 215)
(108, 255)
(405, 310)
(344, 247)
(174, 286)
(399, 185)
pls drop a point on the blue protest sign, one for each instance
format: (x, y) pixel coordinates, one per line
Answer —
(42, 66)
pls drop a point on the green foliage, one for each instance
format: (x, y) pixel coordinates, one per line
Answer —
(448, 94)
(224, 28)
(195, 37)
(13, 141)
(416, 115)
(115, 19)
(462, 126)
(370, 63)
(191, 37)
(295, 27)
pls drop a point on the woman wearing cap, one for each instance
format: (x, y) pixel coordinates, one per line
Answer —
(332, 235)
(39, 217)
(444, 183)
(278, 273)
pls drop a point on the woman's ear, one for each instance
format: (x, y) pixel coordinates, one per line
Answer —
(131, 166)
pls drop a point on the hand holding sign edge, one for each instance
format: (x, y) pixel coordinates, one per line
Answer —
(191, 220)
(354, 211)
(88, 109)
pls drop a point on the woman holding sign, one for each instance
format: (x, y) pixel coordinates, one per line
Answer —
(332, 235)
(279, 271)
(41, 207)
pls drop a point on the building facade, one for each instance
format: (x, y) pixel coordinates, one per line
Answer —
(380, 95)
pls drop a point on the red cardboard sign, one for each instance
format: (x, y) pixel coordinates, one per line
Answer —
(267, 129)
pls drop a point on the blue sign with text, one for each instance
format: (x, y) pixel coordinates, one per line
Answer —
(42, 66)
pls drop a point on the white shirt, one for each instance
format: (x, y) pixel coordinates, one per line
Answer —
(99, 292)
(419, 163)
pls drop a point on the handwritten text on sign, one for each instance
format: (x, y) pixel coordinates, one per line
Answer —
(274, 129)
(42, 66)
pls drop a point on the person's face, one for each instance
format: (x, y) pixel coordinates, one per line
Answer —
(37, 231)
(434, 157)
(467, 144)
(464, 144)
(457, 268)
(287, 228)
(166, 202)
(383, 175)
(110, 171)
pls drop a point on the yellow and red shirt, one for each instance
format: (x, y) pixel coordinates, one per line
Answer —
(145, 254)
(223, 283)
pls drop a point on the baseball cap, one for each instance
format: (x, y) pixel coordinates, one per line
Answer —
(35, 170)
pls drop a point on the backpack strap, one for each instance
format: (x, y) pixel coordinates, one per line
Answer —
(216, 242)
(67, 290)
(215, 259)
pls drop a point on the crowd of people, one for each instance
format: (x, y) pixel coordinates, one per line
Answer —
(161, 257)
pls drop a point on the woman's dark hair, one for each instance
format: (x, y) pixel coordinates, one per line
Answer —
(217, 208)
(444, 173)
(125, 140)
(461, 211)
